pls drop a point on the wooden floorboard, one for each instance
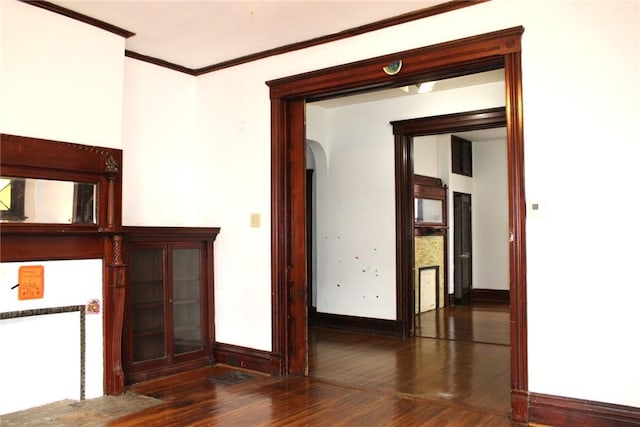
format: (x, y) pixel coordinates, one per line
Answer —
(463, 373)
(483, 323)
(355, 379)
(266, 401)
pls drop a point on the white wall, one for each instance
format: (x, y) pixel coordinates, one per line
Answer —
(569, 50)
(234, 167)
(490, 216)
(425, 156)
(59, 79)
(162, 186)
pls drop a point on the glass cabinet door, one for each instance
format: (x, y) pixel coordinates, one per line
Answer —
(186, 300)
(147, 304)
(168, 323)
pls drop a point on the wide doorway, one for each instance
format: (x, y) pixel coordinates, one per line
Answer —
(289, 96)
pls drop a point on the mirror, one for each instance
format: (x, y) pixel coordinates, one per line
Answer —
(30, 200)
(428, 210)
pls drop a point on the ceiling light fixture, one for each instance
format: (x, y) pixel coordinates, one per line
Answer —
(425, 87)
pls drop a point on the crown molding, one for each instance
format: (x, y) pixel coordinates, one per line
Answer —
(51, 7)
(374, 26)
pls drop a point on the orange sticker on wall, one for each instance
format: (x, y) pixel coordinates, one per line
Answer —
(31, 281)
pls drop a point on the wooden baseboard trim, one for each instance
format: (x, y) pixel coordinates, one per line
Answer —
(496, 296)
(451, 299)
(519, 406)
(248, 358)
(163, 371)
(565, 411)
(354, 323)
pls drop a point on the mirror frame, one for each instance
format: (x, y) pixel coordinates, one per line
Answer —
(24, 157)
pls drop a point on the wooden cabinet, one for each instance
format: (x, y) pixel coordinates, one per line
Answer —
(169, 300)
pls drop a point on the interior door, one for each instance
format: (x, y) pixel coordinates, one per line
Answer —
(462, 247)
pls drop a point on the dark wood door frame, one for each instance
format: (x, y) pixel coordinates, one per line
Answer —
(404, 131)
(500, 49)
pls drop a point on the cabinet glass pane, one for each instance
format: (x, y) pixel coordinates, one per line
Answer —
(147, 304)
(187, 330)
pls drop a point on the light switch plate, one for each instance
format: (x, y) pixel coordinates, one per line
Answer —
(255, 220)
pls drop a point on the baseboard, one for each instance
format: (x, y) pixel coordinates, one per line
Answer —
(519, 406)
(491, 295)
(359, 324)
(248, 358)
(565, 411)
(451, 299)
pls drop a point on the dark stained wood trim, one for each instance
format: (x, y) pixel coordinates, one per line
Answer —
(159, 62)
(114, 282)
(52, 7)
(405, 242)
(517, 246)
(563, 411)
(279, 227)
(358, 324)
(464, 56)
(248, 358)
(457, 122)
(297, 241)
(54, 156)
(162, 234)
(490, 295)
(17, 245)
(374, 26)
(444, 60)
(163, 371)
(404, 131)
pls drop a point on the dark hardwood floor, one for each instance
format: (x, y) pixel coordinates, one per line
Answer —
(355, 380)
(460, 373)
(359, 379)
(478, 322)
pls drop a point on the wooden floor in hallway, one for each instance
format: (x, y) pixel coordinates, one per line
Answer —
(479, 322)
(355, 380)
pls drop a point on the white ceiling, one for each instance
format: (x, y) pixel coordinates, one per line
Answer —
(201, 33)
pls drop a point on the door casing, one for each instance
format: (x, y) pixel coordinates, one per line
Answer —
(500, 49)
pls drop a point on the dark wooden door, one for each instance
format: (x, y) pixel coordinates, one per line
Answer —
(462, 273)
